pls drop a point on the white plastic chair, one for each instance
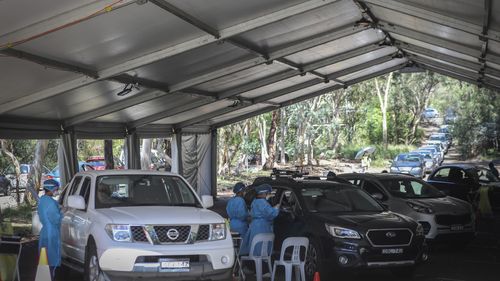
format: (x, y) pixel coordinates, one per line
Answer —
(295, 261)
(265, 242)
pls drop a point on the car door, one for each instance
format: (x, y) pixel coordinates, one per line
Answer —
(290, 221)
(80, 223)
(452, 181)
(66, 239)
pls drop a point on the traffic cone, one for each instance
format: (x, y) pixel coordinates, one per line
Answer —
(316, 276)
(43, 270)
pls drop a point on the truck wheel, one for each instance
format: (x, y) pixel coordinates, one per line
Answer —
(92, 271)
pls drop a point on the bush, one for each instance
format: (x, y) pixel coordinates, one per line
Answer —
(381, 156)
(20, 214)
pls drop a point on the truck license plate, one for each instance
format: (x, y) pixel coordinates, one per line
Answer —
(392, 251)
(174, 265)
(457, 227)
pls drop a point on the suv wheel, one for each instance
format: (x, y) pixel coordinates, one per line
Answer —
(404, 272)
(7, 190)
(92, 270)
(313, 260)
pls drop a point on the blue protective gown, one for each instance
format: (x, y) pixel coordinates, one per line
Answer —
(263, 215)
(238, 214)
(50, 235)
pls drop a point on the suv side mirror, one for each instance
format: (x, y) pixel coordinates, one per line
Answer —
(207, 200)
(76, 202)
(378, 196)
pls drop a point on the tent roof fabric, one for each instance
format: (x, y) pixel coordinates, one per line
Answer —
(110, 67)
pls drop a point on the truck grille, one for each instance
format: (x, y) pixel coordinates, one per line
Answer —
(203, 232)
(172, 233)
(389, 237)
(453, 219)
(138, 234)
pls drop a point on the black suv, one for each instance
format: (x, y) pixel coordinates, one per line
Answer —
(347, 228)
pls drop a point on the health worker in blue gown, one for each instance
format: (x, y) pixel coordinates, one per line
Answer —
(50, 216)
(237, 211)
(262, 214)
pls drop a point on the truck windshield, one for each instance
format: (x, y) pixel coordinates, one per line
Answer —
(411, 188)
(143, 190)
(339, 200)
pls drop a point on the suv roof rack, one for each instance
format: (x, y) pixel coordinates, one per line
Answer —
(277, 173)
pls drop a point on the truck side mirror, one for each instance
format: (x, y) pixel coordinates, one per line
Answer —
(207, 200)
(76, 202)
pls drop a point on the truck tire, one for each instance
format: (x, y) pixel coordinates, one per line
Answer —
(92, 271)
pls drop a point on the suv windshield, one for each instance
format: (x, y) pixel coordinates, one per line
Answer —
(408, 158)
(410, 188)
(339, 200)
(143, 190)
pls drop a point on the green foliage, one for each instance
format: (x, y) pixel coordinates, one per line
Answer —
(21, 213)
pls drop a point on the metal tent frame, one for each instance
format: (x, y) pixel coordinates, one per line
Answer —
(137, 68)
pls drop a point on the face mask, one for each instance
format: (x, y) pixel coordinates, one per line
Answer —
(269, 196)
(56, 193)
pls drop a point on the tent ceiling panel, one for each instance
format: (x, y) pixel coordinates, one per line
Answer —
(382, 52)
(296, 94)
(495, 16)
(494, 47)
(75, 102)
(192, 63)
(241, 77)
(16, 14)
(20, 78)
(166, 103)
(373, 69)
(426, 27)
(363, 38)
(236, 113)
(436, 48)
(277, 86)
(233, 14)
(317, 21)
(470, 11)
(493, 65)
(107, 40)
(196, 112)
(415, 56)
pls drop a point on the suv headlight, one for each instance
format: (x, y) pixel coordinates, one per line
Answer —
(420, 230)
(340, 232)
(119, 232)
(420, 209)
(218, 231)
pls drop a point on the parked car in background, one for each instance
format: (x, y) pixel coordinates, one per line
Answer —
(443, 218)
(436, 150)
(99, 163)
(430, 113)
(25, 170)
(5, 185)
(439, 137)
(409, 163)
(450, 118)
(346, 227)
(55, 173)
(463, 181)
(430, 162)
(118, 225)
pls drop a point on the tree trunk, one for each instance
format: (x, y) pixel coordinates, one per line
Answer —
(17, 167)
(146, 154)
(383, 106)
(271, 148)
(283, 130)
(262, 136)
(108, 154)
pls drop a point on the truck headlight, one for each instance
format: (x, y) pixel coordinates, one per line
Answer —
(340, 232)
(119, 232)
(218, 231)
(420, 208)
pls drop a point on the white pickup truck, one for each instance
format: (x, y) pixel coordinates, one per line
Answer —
(130, 224)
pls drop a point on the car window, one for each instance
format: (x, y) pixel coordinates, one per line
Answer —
(442, 174)
(25, 169)
(339, 200)
(410, 188)
(486, 176)
(289, 200)
(85, 191)
(72, 188)
(143, 190)
(355, 182)
(372, 189)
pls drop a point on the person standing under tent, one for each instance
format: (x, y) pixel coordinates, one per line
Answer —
(50, 217)
(237, 211)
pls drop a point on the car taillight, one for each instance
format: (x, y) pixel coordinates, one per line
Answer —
(49, 177)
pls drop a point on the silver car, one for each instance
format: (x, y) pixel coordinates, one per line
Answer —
(409, 163)
(442, 217)
(429, 161)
